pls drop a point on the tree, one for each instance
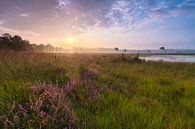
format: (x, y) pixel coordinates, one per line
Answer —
(5, 41)
(116, 49)
(163, 49)
(137, 57)
(7, 35)
(123, 55)
(15, 43)
(28, 46)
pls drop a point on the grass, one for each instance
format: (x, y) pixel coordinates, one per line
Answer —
(95, 91)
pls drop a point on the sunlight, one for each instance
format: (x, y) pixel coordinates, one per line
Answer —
(70, 40)
(97, 64)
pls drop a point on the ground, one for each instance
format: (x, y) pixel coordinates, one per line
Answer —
(95, 91)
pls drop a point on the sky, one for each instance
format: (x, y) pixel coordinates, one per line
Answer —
(130, 24)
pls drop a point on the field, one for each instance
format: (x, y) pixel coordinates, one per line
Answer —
(95, 91)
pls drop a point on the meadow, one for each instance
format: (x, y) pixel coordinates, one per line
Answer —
(94, 91)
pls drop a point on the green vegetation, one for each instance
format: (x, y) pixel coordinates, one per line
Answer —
(17, 44)
(95, 92)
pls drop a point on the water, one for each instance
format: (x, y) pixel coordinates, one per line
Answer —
(170, 58)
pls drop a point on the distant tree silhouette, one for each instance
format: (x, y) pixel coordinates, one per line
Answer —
(6, 36)
(5, 41)
(43, 48)
(163, 49)
(123, 55)
(15, 43)
(116, 49)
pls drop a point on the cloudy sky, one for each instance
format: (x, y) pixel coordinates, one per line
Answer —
(133, 24)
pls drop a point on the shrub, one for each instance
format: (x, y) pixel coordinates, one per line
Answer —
(48, 107)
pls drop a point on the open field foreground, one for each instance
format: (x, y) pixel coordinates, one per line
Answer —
(95, 92)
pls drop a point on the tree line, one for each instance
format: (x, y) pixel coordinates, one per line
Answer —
(16, 43)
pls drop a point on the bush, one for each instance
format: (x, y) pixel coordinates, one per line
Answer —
(48, 107)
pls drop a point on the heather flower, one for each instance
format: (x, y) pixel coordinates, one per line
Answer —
(93, 92)
(87, 75)
(43, 114)
(22, 110)
(69, 86)
(50, 106)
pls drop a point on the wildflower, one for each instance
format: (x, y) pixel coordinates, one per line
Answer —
(93, 92)
(88, 75)
(22, 110)
(50, 105)
(42, 114)
(69, 86)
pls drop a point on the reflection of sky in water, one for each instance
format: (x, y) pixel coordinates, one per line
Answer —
(170, 58)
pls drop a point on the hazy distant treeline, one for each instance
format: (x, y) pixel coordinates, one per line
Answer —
(16, 43)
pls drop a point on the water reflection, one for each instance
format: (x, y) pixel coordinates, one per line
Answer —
(170, 58)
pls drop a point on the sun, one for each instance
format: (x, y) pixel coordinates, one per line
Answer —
(70, 40)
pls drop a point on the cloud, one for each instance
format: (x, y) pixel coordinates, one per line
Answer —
(126, 14)
(2, 21)
(187, 3)
(82, 15)
(132, 13)
(62, 4)
(119, 13)
(24, 15)
(19, 32)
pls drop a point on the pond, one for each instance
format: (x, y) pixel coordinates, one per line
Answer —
(170, 58)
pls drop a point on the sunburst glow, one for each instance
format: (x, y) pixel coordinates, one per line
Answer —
(127, 24)
(70, 40)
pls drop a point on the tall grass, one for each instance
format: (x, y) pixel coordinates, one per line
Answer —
(95, 92)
